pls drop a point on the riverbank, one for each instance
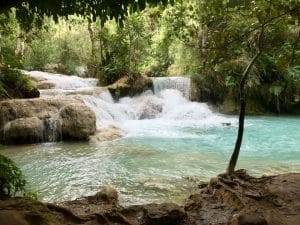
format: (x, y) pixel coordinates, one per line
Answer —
(238, 199)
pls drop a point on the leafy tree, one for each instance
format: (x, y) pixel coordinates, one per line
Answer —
(233, 29)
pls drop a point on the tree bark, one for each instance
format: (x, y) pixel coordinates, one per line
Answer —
(238, 143)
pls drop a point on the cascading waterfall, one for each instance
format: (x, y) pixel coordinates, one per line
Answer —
(169, 104)
(182, 84)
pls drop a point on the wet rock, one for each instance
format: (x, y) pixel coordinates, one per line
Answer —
(105, 202)
(195, 90)
(24, 130)
(164, 214)
(130, 86)
(45, 85)
(77, 122)
(106, 134)
(251, 219)
(150, 110)
(26, 121)
(210, 206)
(108, 195)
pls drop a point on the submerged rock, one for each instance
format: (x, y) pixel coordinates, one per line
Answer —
(42, 119)
(106, 134)
(150, 110)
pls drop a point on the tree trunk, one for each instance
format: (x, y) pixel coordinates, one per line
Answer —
(92, 66)
(238, 143)
(294, 46)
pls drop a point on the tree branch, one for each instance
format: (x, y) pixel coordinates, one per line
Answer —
(227, 43)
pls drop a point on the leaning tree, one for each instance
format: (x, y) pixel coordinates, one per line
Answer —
(231, 29)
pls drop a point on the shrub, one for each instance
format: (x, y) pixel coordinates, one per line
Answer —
(12, 181)
(13, 83)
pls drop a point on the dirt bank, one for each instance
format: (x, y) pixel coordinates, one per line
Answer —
(238, 199)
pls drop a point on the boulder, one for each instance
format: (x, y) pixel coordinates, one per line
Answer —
(77, 121)
(150, 110)
(37, 120)
(108, 194)
(127, 86)
(166, 213)
(23, 130)
(106, 134)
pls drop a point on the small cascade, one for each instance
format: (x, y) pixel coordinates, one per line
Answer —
(107, 112)
(182, 84)
(60, 81)
(53, 131)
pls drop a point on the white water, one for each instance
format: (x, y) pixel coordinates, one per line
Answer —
(53, 127)
(63, 81)
(169, 105)
(182, 84)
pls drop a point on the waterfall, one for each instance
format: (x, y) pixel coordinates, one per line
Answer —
(53, 129)
(169, 104)
(182, 84)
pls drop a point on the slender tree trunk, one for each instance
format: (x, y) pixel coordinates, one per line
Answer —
(101, 56)
(1, 55)
(295, 44)
(92, 66)
(238, 143)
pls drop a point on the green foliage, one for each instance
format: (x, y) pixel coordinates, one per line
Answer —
(14, 83)
(8, 34)
(12, 181)
(36, 10)
(3, 92)
(39, 55)
(228, 37)
(110, 75)
(213, 40)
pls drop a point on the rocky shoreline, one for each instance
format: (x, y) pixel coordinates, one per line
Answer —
(236, 199)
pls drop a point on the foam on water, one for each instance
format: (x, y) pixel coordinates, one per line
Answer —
(63, 81)
(168, 109)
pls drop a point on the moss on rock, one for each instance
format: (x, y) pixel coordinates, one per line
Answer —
(15, 84)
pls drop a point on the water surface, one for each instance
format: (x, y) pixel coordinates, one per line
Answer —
(159, 160)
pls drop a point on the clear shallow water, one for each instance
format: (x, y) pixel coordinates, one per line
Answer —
(159, 158)
(170, 143)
